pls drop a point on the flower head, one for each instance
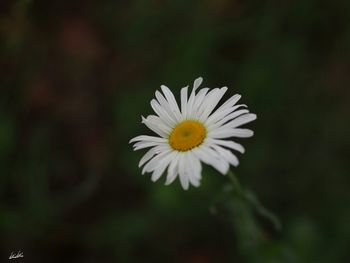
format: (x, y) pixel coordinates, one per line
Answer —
(196, 131)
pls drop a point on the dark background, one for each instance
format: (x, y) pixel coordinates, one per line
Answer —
(75, 78)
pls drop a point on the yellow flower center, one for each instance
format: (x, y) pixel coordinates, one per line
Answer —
(187, 135)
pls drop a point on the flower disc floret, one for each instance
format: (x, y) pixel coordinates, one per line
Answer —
(187, 135)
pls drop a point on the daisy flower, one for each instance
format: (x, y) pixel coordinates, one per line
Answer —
(196, 131)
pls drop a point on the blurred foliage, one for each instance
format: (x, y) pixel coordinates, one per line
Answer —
(77, 75)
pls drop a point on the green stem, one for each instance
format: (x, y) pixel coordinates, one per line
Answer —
(252, 200)
(235, 183)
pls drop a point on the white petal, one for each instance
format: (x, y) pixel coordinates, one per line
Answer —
(230, 102)
(162, 113)
(163, 164)
(196, 164)
(227, 133)
(208, 97)
(191, 100)
(166, 106)
(228, 144)
(144, 144)
(197, 83)
(189, 109)
(198, 102)
(152, 164)
(194, 169)
(172, 102)
(172, 169)
(148, 155)
(210, 157)
(229, 117)
(220, 114)
(147, 138)
(241, 120)
(243, 133)
(184, 180)
(157, 172)
(184, 102)
(227, 155)
(211, 103)
(155, 124)
(151, 152)
(235, 123)
(194, 180)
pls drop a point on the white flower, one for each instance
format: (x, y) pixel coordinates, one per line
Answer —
(192, 133)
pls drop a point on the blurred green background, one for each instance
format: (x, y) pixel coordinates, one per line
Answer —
(77, 75)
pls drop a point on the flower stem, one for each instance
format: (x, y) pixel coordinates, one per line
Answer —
(235, 183)
(249, 197)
